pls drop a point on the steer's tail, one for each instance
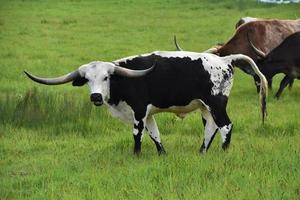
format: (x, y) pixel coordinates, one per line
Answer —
(263, 81)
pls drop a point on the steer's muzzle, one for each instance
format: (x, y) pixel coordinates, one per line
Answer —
(97, 99)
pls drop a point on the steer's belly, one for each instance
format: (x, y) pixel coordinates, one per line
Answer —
(180, 111)
(124, 112)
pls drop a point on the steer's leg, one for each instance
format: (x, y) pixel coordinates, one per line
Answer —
(285, 81)
(270, 81)
(222, 120)
(138, 131)
(154, 134)
(291, 84)
(226, 135)
(257, 83)
(210, 129)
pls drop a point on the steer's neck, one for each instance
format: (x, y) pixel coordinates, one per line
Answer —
(116, 91)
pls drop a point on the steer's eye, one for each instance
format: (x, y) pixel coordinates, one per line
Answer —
(105, 78)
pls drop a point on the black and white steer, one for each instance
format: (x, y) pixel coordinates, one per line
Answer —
(164, 81)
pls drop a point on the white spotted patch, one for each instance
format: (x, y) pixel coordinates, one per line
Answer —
(135, 130)
(221, 75)
(153, 129)
(136, 123)
(224, 131)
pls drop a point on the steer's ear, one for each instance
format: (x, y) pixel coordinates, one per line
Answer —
(79, 81)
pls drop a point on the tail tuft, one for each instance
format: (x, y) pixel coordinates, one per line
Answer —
(263, 102)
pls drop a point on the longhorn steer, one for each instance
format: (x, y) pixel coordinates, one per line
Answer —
(179, 82)
(283, 59)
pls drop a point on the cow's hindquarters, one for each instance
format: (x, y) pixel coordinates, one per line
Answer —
(263, 81)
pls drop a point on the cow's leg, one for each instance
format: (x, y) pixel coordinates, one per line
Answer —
(138, 131)
(154, 134)
(270, 83)
(285, 81)
(291, 84)
(226, 135)
(225, 127)
(257, 83)
(222, 120)
(210, 130)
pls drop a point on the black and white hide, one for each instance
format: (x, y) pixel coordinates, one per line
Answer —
(135, 88)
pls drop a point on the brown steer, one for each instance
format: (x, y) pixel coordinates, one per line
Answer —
(265, 34)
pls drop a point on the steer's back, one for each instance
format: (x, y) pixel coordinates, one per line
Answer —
(177, 79)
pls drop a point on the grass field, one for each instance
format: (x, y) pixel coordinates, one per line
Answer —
(54, 144)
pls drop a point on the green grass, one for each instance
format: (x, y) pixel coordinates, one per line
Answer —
(54, 144)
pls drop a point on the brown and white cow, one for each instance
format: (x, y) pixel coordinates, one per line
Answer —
(265, 34)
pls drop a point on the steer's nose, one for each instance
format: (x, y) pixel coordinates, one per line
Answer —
(97, 99)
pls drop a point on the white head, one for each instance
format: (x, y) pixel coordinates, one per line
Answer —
(96, 75)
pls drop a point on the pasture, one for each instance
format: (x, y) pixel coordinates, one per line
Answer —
(54, 144)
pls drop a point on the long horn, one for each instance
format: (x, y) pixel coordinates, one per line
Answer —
(132, 73)
(177, 46)
(54, 81)
(256, 50)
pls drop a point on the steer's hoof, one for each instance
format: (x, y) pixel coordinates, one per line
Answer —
(162, 152)
(225, 146)
(202, 149)
(202, 153)
(137, 152)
